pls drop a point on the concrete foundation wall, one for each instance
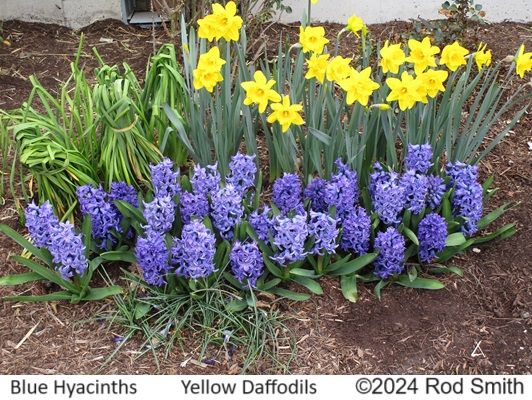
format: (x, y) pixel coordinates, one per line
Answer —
(379, 11)
(79, 13)
(72, 13)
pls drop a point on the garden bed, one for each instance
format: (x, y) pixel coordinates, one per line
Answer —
(478, 324)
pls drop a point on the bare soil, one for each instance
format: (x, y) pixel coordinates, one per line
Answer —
(478, 324)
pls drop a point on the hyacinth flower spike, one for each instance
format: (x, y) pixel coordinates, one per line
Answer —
(63, 255)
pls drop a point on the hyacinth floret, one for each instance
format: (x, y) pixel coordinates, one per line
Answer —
(243, 170)
(246, 263)
(123, 191)
(262, 223)
(159, 214)
(193, 205)
(389, 201)
(205, 180)
(356, 231)
(104, 214)
(323, 227)
(432, 234)
(227, 210)
(164, 179)
(68, 250)
(152, 255)
(436, 191)
(321, 194)
(418, 157)
(287, 193)
(467, 203)
(289, 235)
(40, 220)
(193, 253)
(468, 194)
(344, 195)
(379, 176)
(461, 172)
(416, 188)
(391, 246)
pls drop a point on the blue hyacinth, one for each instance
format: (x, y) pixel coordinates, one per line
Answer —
(193, 253)
(287, 193)
(321, 194)
(345, 189)
(391, 246)
(432, 234)
(246, 263)
(68, 250)
(379, 176)
(104, 214)
(389, 199)
(152, 255)
(227, 210)
(416, 189)
(468, 194)
(356, 230)
(243, 170)
(262, 223)
(460, 172)
(205, 180)
(40, 220)
(351, 175)
(164, 179)
(65, 246)
(467, 203)
(436, 190)
(323, 227)
(418, 157)
(123, 191)
(193, 205)
(159, 214)
(289, 235)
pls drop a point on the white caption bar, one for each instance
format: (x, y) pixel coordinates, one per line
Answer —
(145, 387)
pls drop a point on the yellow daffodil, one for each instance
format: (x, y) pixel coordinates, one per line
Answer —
(404, 90)
(312, 39)
(523, 62)
(422, 54)
(223, 22)
(207, 73)
(313, 1)
(432, 81)
(207, 28)
(317, 65)
(286, 114)
(354, 24)
(453, 56)
(211, 60)
(482, 57)
(359, 86)
(260, 91)
(422, 90)
(207, 79)
(392, 57)
(338, 69)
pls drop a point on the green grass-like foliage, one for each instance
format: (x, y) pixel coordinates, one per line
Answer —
(203, 324)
